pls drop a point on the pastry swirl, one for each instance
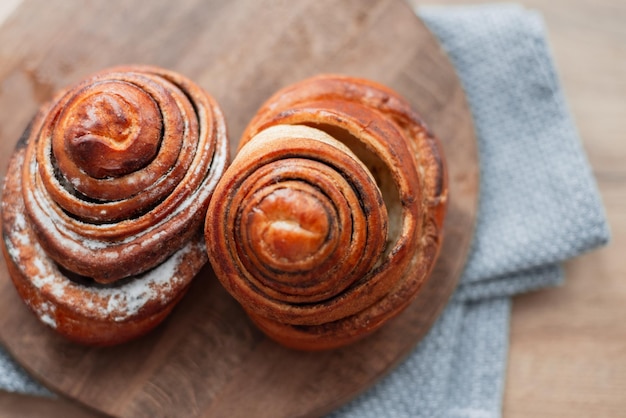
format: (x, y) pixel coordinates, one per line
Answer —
(329, 219)
(115, 176)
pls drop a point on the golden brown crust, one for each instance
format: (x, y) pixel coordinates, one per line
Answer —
(94, 250)
(395, 169)
(108, 216)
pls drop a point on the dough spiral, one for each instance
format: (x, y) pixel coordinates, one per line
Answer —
(329, 220)
(109, 187)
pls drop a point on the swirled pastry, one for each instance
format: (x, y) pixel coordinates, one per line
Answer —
(330, 218)
(104, 201)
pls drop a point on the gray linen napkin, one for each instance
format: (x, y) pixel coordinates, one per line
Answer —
(538, 206)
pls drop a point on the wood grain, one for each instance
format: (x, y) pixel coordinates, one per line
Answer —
(207, 359)
(568, 345)
(14, 405)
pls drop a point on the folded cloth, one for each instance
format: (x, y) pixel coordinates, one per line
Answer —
(539, 205)
(15, 379)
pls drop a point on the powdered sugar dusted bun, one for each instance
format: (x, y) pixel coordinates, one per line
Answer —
(104, 200)
(329, 220)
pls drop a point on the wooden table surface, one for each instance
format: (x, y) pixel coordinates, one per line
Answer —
(568, 344)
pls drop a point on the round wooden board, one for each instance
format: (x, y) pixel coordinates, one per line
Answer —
(208, 359)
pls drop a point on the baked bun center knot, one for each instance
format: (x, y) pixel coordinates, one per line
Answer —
(289, 226)
(111, 129)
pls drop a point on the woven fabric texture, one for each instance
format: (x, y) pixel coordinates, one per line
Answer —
(539, 206)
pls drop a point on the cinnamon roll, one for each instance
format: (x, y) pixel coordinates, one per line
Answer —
(329, 220)
(104, 201)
